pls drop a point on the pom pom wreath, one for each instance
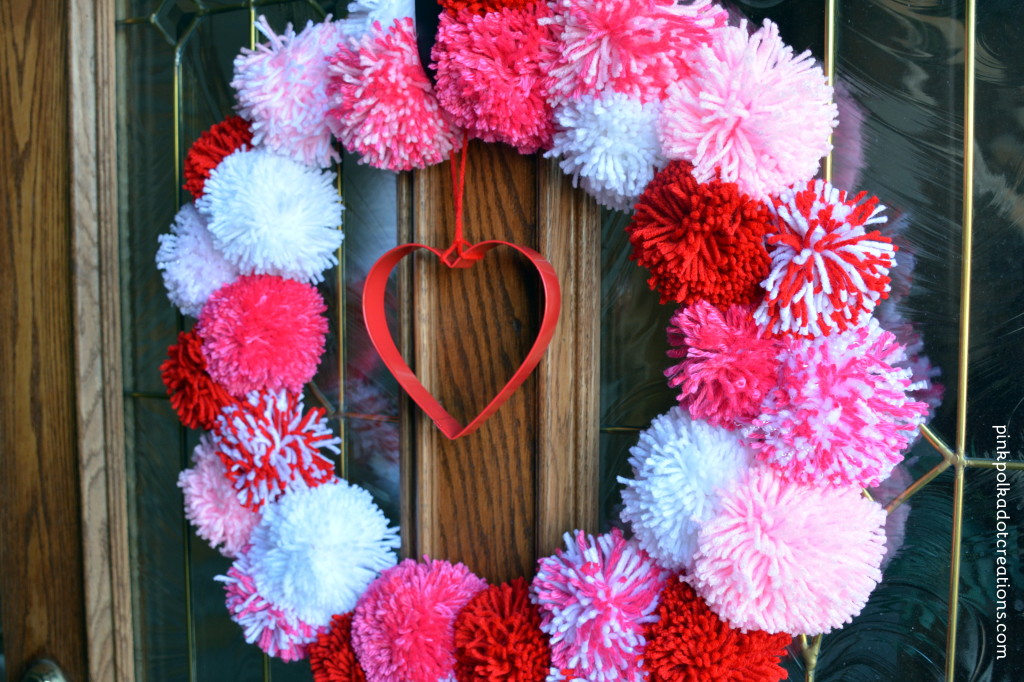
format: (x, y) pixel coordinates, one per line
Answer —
(278, 632)
(700, 241)
(841, 413)
(785, 557)
(263, 332)
(272, 216)
(282, 89)
(637, 47)
(316, 550)
(363, 14)
(192, 266)
(727, 365)
(384, 107)
(195, 397)
(270, 447)
(609, 144)
(213, 146)
(689, 643)
(492, 74)
(680, 466)
(211, 504)
(403, 627)
(752, 113)
(594, 601)
(498, 637)
(827, 273)
(331, 656)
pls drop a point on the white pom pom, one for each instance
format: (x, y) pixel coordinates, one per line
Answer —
(192, 266)
(362, 14)
(610, 145)
(273, 216)
(680, 465)
(316, 550)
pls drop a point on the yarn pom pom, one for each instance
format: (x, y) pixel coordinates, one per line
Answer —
(403, 628)
(498, 637)
(316, 550)
(481, 6)
(278, 632)
(700, 241)
(689, 643)
(752, 113)
(363, 14)
(785, 557)
(213, 146)
(192, 266)
(827, 273)
(196, 397)
(269, 447)
(263, 332)
(211, 504)
(680, 465)
(841, 413)
(727, 365)
(384, 107)
(637, 47)
(609, 144)
(594, 601)
(272, 216)
(331, 656)
(282, 89)
(492, 74)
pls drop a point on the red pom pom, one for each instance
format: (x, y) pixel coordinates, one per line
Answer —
(498, 637)
(481, 6)
(700, 241)
(221, 140)
(194, 395)
(331, 656)
(689, 643)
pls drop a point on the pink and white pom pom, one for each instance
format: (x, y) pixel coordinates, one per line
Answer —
(270, 446)
(193, 268)
(383, 106)
(211, 503)
(277, 631)
(282, 90)
(637, 47)
(841, 414)
(594, 599)
(363, 14)
(785, 557)
(752, 113)
(827, 273)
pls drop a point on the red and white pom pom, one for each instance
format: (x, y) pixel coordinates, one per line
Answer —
(363, 14)
(270, 446)
(282, 90)
(383, 105)
(192, 266)
(275, 630)
(492, 74)
(752, 113)
(595, 599)
(841, 413)
(637, 47)
(827, 273)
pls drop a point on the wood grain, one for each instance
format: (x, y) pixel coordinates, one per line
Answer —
(40, 547)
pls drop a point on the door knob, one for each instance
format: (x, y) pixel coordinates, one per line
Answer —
(44, 670)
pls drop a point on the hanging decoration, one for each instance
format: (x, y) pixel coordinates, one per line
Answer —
(745, 504)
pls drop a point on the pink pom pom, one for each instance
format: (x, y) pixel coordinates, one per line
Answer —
(269, 446)
(594, 600)
(404, 624)
(492, 74)
(263, 332)
(752, 113)
(783, 557)
(211, 503)
(276, 631)
(827, 273)
(728, 366)
(637, 47)
(841, 413)
(383, 105)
